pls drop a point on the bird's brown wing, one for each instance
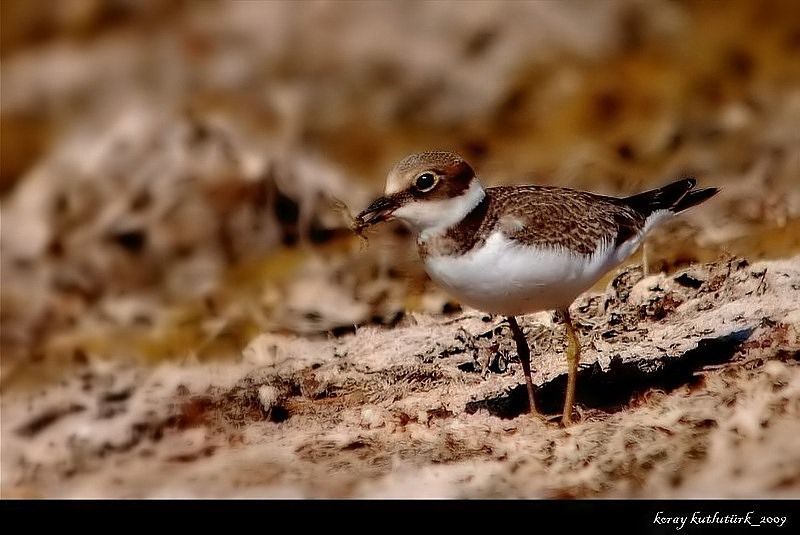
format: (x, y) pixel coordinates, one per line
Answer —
(551, 217)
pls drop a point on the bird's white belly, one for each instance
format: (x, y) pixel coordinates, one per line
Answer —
(505, 277)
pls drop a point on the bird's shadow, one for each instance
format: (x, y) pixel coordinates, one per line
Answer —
(613, 389)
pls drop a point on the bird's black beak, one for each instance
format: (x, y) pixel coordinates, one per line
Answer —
(380, 210)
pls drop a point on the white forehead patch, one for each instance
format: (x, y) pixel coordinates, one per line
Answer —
(396, 182)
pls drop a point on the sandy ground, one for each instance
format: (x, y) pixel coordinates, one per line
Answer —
(690, 387)
(185, 312)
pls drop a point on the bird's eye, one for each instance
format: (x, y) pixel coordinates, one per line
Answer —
(426, 181)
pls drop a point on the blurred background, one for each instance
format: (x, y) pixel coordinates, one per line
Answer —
(170, 171)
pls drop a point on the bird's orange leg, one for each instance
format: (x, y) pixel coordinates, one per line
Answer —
(573, 358)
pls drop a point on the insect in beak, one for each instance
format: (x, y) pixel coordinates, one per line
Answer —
(380, 210)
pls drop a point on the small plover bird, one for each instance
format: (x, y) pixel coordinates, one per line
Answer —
(514, 250)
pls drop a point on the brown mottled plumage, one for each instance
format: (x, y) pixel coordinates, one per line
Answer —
(541, 216)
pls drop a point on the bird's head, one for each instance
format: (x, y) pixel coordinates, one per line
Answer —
(429, 190)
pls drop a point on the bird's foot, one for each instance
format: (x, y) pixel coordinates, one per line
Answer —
(567, 419)
(535, 416)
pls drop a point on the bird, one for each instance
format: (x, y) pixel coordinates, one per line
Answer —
(512, 250)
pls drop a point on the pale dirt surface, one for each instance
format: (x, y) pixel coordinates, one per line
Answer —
(711, 410)
(184, 311)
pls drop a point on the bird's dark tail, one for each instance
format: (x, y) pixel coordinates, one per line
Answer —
(675, 197)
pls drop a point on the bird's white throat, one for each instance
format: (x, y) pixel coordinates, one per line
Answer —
(430, 217)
